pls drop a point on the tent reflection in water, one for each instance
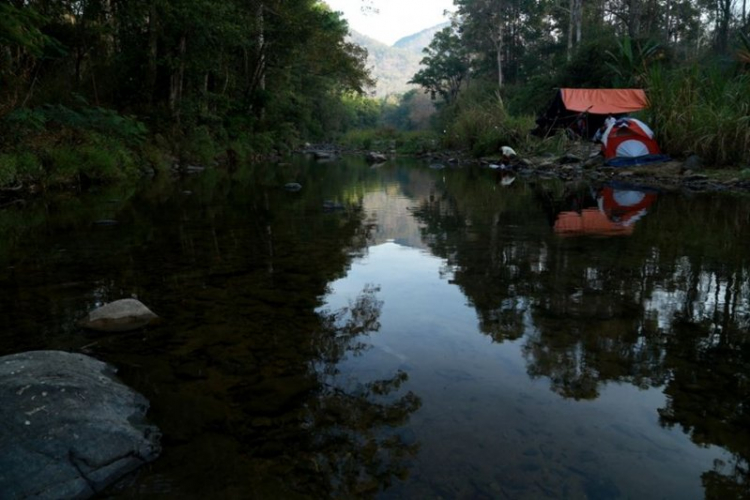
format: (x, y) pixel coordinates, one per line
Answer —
(616, 213)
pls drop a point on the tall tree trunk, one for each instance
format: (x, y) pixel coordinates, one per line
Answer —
(500, 64)
(177, 79)
(258, 77)
(569, 53)
(634, 19)
(722, 33)
(153, 45)
(499, 34)
(574, 26)
(262, 45)
(204, 94)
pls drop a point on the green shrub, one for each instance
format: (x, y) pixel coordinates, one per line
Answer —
(198, 146)
(359, 139)
(7, 169)
(97, 159)
(416, 142)
(261, 143)
(154, 157)
(63, 165)
(481, 124)
(28, 167)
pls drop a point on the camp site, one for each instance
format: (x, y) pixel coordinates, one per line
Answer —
(602, 116)
(374, 249)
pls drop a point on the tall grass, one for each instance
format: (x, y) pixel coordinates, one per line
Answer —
(701, 111)
(481, 124)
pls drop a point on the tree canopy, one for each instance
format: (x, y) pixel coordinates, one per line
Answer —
(269, 63)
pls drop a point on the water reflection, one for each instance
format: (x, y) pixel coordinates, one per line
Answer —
(239, 374)
(407, 332)
(607, 211)
(664, 310)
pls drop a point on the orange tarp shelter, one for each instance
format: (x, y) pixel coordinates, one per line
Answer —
(583, 111)
(604, 101)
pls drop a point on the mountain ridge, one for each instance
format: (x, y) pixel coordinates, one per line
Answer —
(394, 65)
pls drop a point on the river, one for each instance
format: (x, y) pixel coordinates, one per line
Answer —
(404, 331)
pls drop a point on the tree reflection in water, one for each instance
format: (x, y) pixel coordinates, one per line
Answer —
(667, 305)
(335, 442)
(241, 376)
(351, 447)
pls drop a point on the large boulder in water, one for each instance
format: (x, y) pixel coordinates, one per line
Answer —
(119, 316)
(68, 427)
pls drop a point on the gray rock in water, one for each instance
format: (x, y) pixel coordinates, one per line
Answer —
(119, 316)
(68, 427)
(322, 155)
(194, 169)
(376, 157)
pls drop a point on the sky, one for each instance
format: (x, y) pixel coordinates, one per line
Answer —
(394, 19)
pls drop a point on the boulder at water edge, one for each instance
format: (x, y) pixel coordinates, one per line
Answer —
(119, 316)
(375, 157)
(68, 427)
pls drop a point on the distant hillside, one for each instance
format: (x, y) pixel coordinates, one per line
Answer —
(418, 41)
(395, 65)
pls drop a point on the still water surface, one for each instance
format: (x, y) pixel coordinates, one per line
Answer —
(404, 332)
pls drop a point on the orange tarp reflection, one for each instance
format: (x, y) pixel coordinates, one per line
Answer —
(617, 212)
(589, 221)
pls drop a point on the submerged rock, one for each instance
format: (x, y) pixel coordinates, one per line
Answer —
(106, 222)
(332, 206)
(69, 427)
(119, 316)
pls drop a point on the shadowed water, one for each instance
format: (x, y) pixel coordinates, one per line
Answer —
(406, 332)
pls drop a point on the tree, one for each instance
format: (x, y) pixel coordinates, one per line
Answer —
(486, 20)
(446, 65)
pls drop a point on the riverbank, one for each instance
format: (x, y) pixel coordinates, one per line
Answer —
(129, 163)
(673, 175)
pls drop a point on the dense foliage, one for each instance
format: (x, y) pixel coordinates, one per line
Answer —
(203, 75)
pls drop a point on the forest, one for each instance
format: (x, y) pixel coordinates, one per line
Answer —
(100, 90)
(95, 90)
(498, 61)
